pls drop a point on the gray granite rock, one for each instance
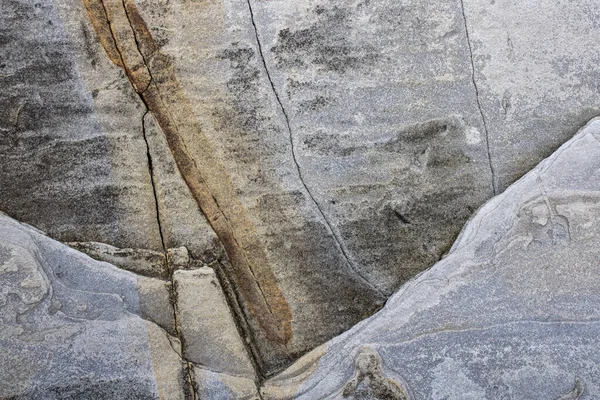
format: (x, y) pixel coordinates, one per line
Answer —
(384, 119)
(512, 312)
(218, 386)
(73, 157)
(75, 328)
(141, 261)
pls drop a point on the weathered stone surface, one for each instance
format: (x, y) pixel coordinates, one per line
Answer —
(512, 312)
(318, 153)
(156, 304)
(537, 73)
(230, 95)
(71, 327)
(181, 221)
(384, 119)
(320, 257)
(217, 386)
(72, 153)
(206, 323)
(141, 261)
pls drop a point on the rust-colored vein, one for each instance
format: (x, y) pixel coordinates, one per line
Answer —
(130, 45)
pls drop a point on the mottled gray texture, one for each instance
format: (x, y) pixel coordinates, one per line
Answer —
(358, 137)
(512, 312)
(141, 261)
(340, 200)
(217, 386)
(71, 327)
(181, 221)
(537, 73)
(384, 118)
(71, 148)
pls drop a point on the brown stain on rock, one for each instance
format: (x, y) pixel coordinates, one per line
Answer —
(130, 45)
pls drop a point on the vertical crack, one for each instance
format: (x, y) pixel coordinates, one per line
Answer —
(153, 183)
(188, 365)
(485, 128)
(168, 267)
(336, 238)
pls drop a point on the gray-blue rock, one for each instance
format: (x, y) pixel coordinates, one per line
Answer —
(512, 312)
(75, 328)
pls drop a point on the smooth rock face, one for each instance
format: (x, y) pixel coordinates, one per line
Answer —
(205, 321)
(75, 328)
(537, 76)
(512, 312)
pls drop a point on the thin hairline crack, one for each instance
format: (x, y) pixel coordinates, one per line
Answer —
(338, 241)
(479, 106)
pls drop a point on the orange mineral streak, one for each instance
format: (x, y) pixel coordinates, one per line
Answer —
(130, 45)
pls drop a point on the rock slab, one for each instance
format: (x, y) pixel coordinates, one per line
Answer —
(511, 312)
(75, 328)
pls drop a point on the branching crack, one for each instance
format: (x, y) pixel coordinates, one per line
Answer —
(334, 234)
(487, 138)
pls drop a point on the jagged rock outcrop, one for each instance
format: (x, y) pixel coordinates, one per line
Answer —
(512, 312)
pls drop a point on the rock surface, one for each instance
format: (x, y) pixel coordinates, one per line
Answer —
(211, 336)
(75, 328)
(512, 312)
(316, 153)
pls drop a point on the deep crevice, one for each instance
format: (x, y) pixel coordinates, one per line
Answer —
(485, 128)
(336, 238)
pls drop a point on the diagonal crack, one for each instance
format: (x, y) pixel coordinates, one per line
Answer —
(170, 270)
(335, 235)
(485, 128)
(235, 311)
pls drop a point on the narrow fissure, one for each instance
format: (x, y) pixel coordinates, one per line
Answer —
(230, 294)
(153, 183)
(168, 266)
(485, 128)
(233, 301)
(228, 238)
(336, 238)
(188, 365)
